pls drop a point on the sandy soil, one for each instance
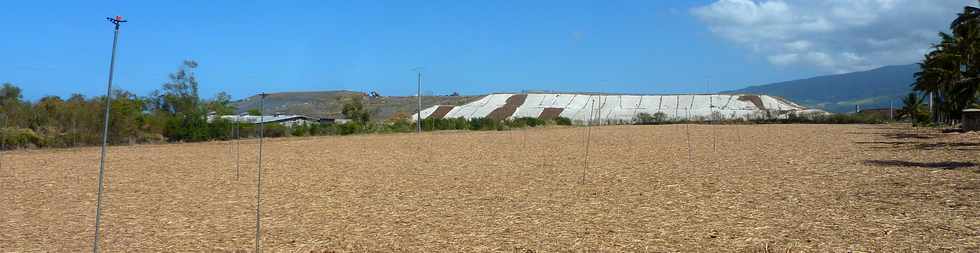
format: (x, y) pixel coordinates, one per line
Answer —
(745, 188)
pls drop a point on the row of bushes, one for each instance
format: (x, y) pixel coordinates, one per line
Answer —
(226, 130)
(487, 124)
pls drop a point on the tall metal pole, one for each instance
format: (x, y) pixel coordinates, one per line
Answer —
(932, 112)
(418, 93)
(105, 130)
(588, 138)
(238, 147)
(3, 138)
(711, 117)
(891, 110)
(258, 188)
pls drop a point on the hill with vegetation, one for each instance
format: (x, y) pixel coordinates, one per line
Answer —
(329, 104)
(874, 88)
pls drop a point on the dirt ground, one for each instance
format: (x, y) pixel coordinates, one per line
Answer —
(745, 188)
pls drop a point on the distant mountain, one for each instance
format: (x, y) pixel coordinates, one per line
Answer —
(841, 93)
(330, 103)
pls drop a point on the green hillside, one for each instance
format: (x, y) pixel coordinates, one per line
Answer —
(842, 93)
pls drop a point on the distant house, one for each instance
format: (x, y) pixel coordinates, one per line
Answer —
(282, 119)
(285, 120)
(333, 121)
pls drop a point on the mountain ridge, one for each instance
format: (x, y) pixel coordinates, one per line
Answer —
(876, 88)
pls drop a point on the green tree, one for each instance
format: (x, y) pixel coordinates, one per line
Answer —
(179, 95)
(354, 110)
(949, 73)
(13, 110)
(221, 104)
(914, 109)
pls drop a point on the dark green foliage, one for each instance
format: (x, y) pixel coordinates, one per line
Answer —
(914, 109)
(354, 110)
(563, 121)
(300, 130)
(526, 122)
(187, 127)
(221, 129)
(349, 128)
(485, 124)
(275, 130)
(648, 119)
(20, 138)
(432, 124)
(949, 73)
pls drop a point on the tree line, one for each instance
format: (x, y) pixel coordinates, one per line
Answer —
(175, 112)
(949, 74)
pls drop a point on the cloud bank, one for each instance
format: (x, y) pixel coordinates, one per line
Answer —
(832, 35)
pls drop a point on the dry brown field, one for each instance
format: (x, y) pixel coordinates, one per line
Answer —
(815, 188)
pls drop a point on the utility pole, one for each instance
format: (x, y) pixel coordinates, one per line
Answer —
(891, 110)
(258, 184)
(932, 113)
(711, 116)
(238, 146)
(418, 92)
(3, 138)
(105, 130)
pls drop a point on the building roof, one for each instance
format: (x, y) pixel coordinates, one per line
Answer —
(265, 118)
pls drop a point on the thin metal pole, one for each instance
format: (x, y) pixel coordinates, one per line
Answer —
(527, 125)
(105, 130)
(418, 93)
(711, 118)
(891, 110)
(258, 184)
(258, 188)
(238, 147)
(687, 130)
(3, 138)
(588, 140)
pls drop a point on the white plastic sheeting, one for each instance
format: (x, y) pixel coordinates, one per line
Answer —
(612, 108)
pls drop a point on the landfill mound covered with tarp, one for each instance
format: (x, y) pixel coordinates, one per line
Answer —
(612, 108)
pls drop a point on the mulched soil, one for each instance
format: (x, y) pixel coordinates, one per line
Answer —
(747, 188)
(441, 111)
(551, 113)
(756, 100)
(509, 107)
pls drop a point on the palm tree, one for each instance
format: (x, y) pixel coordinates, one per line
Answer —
(914, 109)
(951, 72)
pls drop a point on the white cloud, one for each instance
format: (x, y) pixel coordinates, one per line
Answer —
(831, 35)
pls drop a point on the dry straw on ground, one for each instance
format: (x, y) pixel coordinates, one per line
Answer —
(796, 187)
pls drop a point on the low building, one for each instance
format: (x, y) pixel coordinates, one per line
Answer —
(971, 120)
(285, 120)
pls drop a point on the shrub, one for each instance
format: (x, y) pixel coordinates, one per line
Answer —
(275, 130)
(349, 128)
(20, 138)
(526, 122)
(648, 119)
(300, 130)
(563, 121)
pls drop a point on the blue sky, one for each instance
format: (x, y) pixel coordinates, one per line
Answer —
(471, 47)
